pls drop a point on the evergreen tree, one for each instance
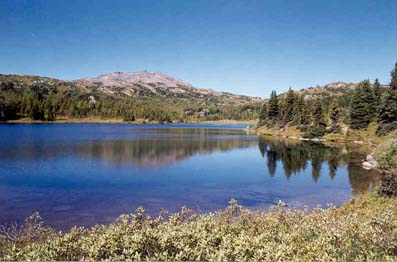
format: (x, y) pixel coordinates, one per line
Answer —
(362, 108)
(304, 116)
(263, 115)
(289, 105)
(334, 114)
(273, 109)
(377, 89)
(393, 82)
(318, 114)
(388, 107)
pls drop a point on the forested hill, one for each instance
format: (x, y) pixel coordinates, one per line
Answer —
(323, 110)
(143, 95)
(134, 84)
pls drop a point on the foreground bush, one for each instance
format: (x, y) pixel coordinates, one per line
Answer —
(365, 229)
(386, 155)
(388, 184)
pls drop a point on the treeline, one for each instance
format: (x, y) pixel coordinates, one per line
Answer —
(45, 102)
(320, 115)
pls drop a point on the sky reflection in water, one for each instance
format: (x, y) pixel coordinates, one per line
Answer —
(83, 174)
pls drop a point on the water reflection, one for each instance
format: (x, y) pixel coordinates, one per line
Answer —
(166, 146)
(88, 174)
(295, 156)
(144, 147)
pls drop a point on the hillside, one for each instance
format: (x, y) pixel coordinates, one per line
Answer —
(138, 95)
(157, 84)
(132, 84)
(331, 89)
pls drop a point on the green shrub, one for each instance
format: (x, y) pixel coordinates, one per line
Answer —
(388, 184)
(362, 230)
(384, 129)
(314, 131)
(386, 155)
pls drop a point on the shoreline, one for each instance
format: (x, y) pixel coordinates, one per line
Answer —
(367, 137)
(64, 120)
(364, 138)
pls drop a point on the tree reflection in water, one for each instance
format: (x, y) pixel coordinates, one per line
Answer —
(166, 146)
(295, 156)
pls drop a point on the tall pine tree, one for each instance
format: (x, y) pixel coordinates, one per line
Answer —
(334, 114)
(273, 108)
(289, 105)
(393, 82)
(362, 107)
(377, 88)
(301, 112)
(387, 117)
(263, 115)
(318, 114)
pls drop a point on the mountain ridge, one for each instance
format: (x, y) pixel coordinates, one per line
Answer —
(152, 84)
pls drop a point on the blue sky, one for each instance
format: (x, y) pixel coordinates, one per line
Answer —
(248, 47)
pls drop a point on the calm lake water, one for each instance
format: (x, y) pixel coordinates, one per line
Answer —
(84, 174)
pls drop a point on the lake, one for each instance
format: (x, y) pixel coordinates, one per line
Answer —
(84, 174)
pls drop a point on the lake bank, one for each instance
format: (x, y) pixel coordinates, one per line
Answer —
(362, 229)
(94, 120)
(366, 136)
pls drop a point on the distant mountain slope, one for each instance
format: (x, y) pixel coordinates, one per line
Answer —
(140, 95)
(156, 84)
(141, 77)
(335, 88)
(328, 90)
(331, 87)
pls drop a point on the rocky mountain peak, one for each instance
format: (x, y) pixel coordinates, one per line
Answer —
(144, 77)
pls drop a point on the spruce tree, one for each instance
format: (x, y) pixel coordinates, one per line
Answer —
(393, 82)
(282, 112)
(305, 117)
(334, 116)
(273, 109)
(388, 107)
(318, 114)
(289, 105)
(298, 109)
(362, 107)
(377, 89)
(263, 115)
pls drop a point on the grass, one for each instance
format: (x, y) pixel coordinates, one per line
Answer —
(368, 134)
(361, 230)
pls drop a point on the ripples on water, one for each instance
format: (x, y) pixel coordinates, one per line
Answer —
(83, 174)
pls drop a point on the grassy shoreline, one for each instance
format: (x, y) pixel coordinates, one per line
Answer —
(365, 136)
(364, 229)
